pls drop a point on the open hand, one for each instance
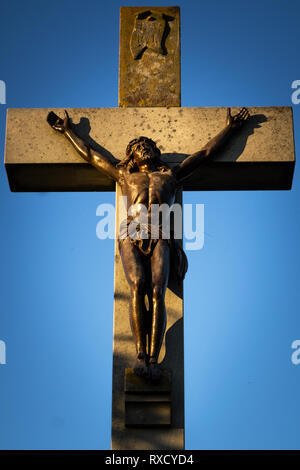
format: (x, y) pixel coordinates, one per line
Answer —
(236, 121)
(58, 124)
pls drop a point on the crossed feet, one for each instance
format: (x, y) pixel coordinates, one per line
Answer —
(147, 367)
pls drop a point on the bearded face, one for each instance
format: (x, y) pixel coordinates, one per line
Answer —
(143, 152)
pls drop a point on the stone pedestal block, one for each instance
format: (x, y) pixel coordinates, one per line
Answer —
(147, 404)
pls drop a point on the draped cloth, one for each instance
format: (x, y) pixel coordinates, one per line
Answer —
(145, 236)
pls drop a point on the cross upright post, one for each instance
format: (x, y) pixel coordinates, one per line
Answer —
(152, 416)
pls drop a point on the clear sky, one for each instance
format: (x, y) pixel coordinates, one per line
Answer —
(56, 277)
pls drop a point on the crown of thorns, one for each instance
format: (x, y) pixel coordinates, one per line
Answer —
(128, 161)
(133, 142)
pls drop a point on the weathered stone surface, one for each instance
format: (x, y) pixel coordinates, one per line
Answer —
(147, 403)
(261, 156)
(149, 67)
(135, 384)
(147, 413)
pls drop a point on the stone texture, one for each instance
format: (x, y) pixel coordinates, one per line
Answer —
(149, 66)
(260, 157)
(147, 403)
(135, 384)
(146, 413)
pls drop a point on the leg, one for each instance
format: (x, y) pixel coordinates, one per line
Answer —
(135, 274)
(160, 266)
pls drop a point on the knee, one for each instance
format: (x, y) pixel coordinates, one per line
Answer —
(158, 292)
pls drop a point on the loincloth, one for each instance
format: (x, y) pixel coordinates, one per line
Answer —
(146, 244)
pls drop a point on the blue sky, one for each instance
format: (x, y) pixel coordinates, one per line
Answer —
(56, 277)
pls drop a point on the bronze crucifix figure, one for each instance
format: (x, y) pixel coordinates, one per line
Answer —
(146, 180)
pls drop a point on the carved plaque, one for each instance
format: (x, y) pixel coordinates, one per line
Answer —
(149, 57)
(150, 32)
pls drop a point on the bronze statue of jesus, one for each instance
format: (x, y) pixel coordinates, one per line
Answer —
(146, 180)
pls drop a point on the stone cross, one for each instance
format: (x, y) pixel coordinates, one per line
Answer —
(147, 416)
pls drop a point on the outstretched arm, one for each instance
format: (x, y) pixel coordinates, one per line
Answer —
(101, 162)
(191, 163)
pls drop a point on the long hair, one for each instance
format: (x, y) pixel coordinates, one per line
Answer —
(128, 162)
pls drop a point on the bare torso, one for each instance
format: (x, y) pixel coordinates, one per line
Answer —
(157, 187)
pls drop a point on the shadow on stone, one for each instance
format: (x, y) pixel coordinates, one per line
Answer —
(82, 130)
(174, 360)
(233, 150)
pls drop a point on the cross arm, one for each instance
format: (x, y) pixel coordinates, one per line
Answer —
(191, 163)
(259, 156)
(99, 160)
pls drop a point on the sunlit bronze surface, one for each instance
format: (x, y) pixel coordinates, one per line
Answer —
(145, 180)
